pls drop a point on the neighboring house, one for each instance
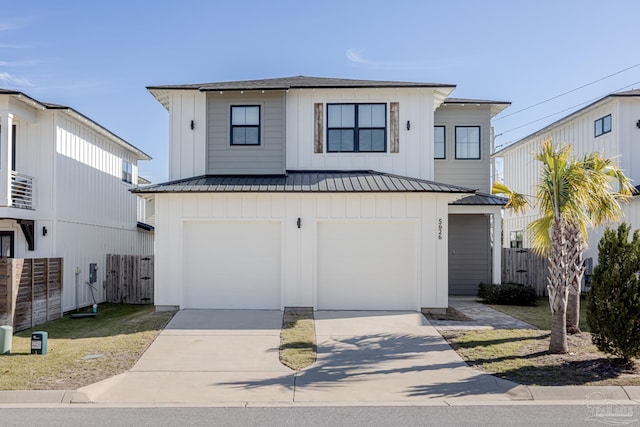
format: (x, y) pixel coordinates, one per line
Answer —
(323, 193)
(64, 191)
(611, 126)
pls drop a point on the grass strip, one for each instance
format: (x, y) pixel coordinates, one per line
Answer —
(298, 339)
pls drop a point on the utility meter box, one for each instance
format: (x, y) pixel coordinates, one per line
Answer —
(93, 272)
(39, 342)
(6, 335)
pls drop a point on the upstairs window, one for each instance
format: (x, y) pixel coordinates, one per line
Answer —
(602, 125)
(245, 125)
(356, 128)
(439, 142)
(127, 172)
(468, 142)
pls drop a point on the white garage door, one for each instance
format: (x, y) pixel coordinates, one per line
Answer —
(367, 266)
(232, 265)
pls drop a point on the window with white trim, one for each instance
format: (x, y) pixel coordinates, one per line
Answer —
(468, 142)
(356, 128)
(439, 142)
(245, 125)
(602, 125)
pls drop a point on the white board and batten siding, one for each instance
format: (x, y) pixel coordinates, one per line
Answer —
(415, 156)
(294, 263)
(206, 149)
(521, 170)
(95, 213)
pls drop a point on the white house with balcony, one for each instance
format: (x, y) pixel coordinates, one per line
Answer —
(65, 184)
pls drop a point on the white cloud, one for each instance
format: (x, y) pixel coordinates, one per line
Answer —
(356, 57)
(8, 79)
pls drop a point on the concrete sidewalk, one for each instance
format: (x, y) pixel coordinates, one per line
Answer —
(230, 357)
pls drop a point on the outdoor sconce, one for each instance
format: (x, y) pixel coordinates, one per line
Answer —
(638, 124)
(408, 125)
(44, 231)
(299, 223)
(193, 124)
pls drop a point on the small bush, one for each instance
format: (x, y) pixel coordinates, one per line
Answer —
(613, 303)
(507, 294)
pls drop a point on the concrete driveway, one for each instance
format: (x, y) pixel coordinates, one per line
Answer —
(222, 356)
(204, 357)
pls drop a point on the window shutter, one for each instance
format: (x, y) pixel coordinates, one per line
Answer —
(394, 131)
(318, 121)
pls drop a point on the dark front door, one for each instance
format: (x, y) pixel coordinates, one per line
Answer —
(6, 244)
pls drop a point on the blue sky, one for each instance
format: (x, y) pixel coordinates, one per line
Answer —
(98, 57)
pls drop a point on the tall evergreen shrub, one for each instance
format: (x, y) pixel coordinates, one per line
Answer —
(613, 303)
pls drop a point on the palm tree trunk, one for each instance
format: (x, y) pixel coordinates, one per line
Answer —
(576, 246)
(558, 287)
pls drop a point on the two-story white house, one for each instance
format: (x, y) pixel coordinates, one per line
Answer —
(324, 193)
(610, 125)
(65, 186)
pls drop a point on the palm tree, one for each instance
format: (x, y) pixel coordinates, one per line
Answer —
(571, 195)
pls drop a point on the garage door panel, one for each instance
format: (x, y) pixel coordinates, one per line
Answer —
(232, 265)
(367, 266)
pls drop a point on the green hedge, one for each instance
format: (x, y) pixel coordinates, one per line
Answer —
(507, 294)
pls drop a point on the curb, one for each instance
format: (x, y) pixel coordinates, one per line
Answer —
(519, 395)
(43, 396)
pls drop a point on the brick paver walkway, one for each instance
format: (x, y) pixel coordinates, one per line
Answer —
(484, 317)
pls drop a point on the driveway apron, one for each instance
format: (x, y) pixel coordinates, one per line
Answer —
(391, 357)
(204, 357)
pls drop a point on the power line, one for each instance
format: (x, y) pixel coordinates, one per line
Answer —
(559, 112)
(565, 93)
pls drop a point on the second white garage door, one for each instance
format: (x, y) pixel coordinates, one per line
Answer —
(367, 266)
(232, 265)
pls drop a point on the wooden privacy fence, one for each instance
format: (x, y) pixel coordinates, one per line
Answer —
(129, 279)
(30, 291)
(525, 267)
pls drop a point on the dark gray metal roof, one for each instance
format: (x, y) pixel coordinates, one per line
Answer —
(473, 101)
(304, 182)
(481, 199)
(299, 82)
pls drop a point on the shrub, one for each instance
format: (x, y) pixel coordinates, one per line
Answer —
(507, 294)
(613, 303)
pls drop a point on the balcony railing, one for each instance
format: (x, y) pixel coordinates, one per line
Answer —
(21, 191)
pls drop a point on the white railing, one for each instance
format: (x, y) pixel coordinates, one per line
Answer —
(21, 191)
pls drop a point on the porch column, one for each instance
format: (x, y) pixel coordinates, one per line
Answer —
(6, 130)
(497, 248)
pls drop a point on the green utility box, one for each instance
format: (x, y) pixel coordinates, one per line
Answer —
(6, 337)
(39, 342)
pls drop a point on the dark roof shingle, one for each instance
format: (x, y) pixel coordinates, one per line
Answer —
(299, 82)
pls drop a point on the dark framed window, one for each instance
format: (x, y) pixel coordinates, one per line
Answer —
(127, 172)
(439, 142)
(356, 128)
(245, 125)
(516, 239)
(6, 244)
(602, 125)
(468, 142)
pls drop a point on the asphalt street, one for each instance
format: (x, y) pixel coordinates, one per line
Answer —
(483, 415)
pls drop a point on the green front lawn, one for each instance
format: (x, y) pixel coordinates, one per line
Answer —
(82, 351)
